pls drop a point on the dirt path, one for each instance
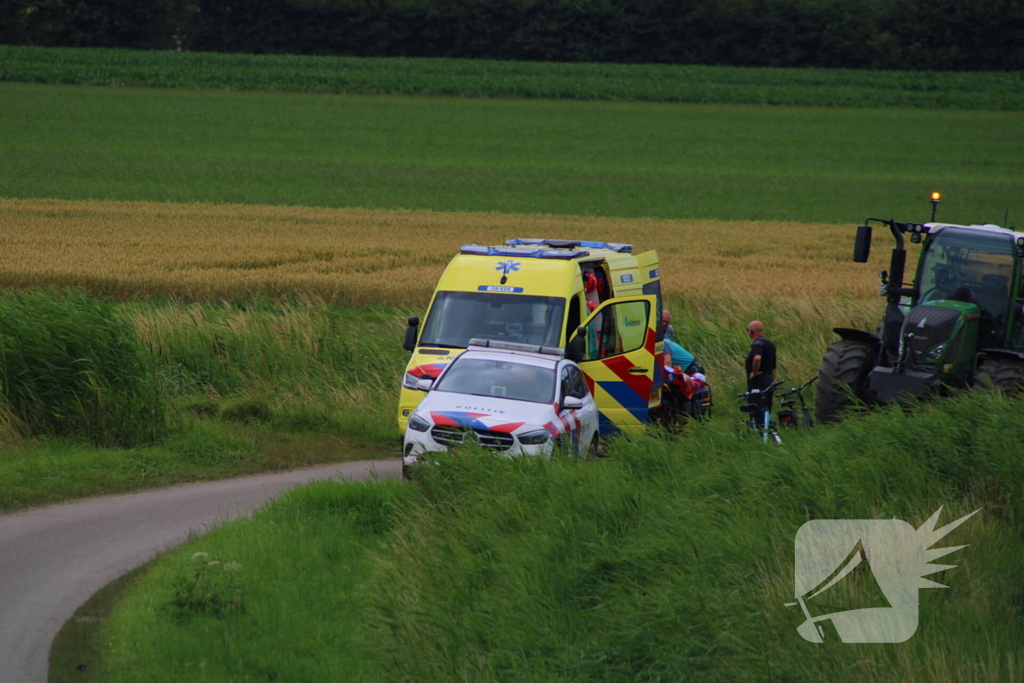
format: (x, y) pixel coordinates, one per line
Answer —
(53, 559)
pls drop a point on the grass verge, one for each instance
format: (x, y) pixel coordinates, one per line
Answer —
(79, 645)
(281, 595)
(672, 560)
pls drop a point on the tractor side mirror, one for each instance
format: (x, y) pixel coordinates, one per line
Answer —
(862, 245)
(410, 334)
(577, 346)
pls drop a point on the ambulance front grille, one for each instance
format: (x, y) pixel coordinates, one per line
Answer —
(454, 436)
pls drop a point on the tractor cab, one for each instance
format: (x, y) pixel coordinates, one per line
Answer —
(974, 266)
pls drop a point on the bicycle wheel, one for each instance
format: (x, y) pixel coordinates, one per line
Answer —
(806, 420)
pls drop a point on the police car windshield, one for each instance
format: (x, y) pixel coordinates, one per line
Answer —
(457, 317)
(499, 379)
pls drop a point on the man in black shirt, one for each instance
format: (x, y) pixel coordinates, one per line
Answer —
(760, 364)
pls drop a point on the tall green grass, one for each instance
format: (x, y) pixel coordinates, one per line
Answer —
(70, 367)
(281, 596)
(671, 560)
(238, 387)
(297, 364)
(482, 78)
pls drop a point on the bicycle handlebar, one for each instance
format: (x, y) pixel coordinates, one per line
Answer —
(747, 394)
(797, 390)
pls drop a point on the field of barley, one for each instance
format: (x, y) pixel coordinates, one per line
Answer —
(356, 257)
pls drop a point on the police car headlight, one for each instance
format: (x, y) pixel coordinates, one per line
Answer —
(409, 381)
(936, 353)
(535, 437)
(418, 424)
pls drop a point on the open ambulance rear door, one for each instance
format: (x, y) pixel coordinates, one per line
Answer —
(619, 361)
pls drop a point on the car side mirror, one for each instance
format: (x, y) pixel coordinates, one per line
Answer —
(572, 403)
(577, 347)
(862, 245)
(424, 383)
(410, 334)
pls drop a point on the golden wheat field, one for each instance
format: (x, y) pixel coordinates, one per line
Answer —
(357, 257)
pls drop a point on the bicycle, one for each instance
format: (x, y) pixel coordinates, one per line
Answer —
(787, 414)
(755, 407)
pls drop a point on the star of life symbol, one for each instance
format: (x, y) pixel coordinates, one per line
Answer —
(508, 266)
(858, 579)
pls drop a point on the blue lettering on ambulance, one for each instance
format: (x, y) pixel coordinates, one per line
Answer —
(626, 278)
(497, 288)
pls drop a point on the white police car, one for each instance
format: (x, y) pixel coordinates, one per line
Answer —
(520, 399)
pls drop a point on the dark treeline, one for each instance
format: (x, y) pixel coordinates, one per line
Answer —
(881, 34)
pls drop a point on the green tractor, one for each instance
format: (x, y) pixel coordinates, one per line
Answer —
(959, 324)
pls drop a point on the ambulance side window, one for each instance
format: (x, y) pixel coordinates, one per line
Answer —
(573, 322)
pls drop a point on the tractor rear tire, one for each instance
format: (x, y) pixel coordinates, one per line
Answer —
(840, 378)
(1003, 374)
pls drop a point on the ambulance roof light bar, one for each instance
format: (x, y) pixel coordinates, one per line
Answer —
(519, 252)
(571, 244)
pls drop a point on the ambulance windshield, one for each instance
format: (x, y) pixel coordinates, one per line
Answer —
(457, 317)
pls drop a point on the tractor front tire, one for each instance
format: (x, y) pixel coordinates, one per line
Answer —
(840, 378)
(1004, 374)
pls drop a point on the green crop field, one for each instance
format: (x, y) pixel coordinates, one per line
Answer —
(480, 78)
(520, 156)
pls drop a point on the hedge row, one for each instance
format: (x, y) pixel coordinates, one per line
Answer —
(910, 34)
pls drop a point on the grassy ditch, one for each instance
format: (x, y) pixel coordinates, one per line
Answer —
(671, 560)
(483, 78)
(242, 387)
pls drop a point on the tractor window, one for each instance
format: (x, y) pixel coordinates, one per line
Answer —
(968, 265)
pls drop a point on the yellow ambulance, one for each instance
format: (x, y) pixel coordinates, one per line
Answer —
(546, 292)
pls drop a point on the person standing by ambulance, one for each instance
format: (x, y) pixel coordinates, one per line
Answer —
(760, 365)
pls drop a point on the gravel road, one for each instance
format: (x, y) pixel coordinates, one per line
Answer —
(53, 559)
